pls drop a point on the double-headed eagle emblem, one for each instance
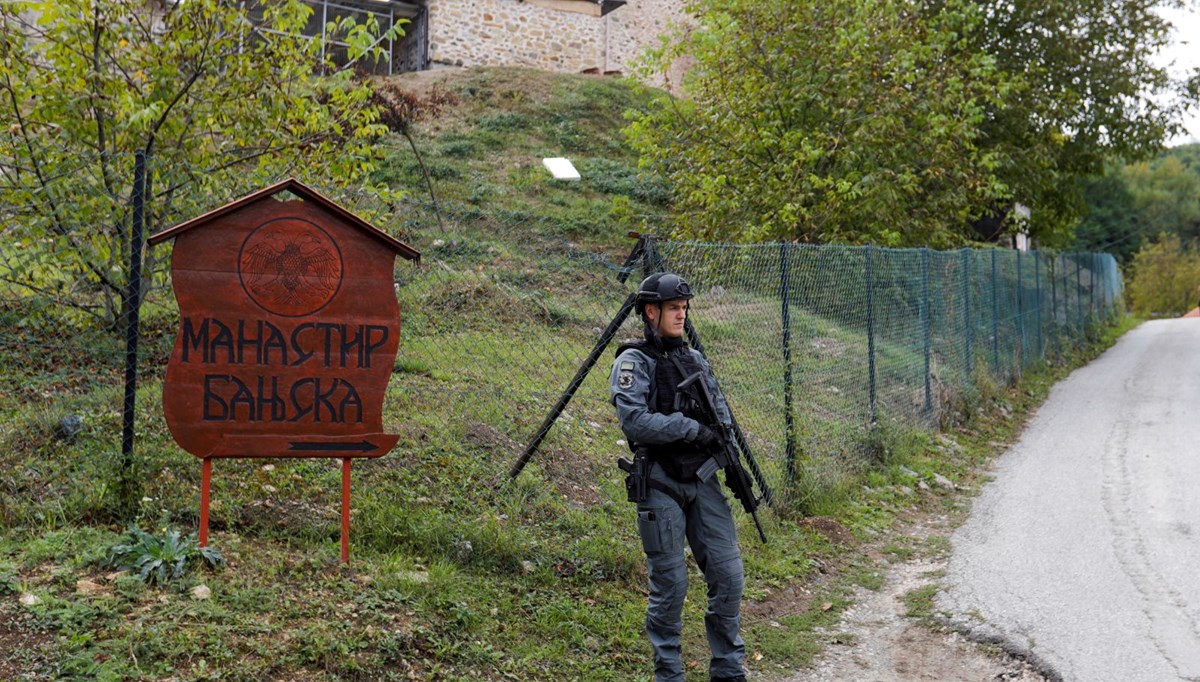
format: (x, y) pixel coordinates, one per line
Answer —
(292, 271)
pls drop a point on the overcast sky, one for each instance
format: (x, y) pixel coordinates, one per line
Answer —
(1185, 52)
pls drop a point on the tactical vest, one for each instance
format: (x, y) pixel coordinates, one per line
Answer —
(680, 459)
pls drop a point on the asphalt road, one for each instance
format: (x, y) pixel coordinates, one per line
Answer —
(1084, 550)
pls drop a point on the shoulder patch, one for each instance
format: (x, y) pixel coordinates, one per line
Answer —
(625, 376)
(626, 366)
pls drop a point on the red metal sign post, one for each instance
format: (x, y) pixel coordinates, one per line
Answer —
(288, 331)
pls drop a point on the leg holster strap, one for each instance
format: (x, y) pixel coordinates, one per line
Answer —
(668, 491)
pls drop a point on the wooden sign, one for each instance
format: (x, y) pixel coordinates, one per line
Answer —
(288, 329)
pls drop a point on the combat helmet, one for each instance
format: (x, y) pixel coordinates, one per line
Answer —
(662, 287)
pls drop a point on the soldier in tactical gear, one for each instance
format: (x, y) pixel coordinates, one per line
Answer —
(679, 498)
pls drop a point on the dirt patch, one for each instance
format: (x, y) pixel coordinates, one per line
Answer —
(17, 646)
(423, 83)
(788, 601)
(876, 640)
(487, 438)
(833, 531)
(281, 513)
(796, 599)
(575, 477)
(826, 347)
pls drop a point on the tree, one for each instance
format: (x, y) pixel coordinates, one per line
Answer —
(1167, 195)
(222, 101)
(1166, 278)
(899, 122)
(1112, 223)
(1188, 155)
(1132, 202)
(830, 121)
(1085, 91)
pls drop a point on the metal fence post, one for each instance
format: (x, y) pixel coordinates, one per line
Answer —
(1037, 297)
(995, 318)
(1079, 293)
(1110, 291)
(966, 277)
(132, 303)
(870, 333)
(789, 424)
(1021, 310)
(925, 327)
(1054, 292)
(324, 25)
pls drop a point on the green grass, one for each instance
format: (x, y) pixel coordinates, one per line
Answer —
(550, 586)
(458, 573)
(919, 603)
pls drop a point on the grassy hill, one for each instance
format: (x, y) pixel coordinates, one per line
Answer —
(482, 134)
(456, 572)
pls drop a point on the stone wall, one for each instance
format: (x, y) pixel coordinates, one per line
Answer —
(517, 33)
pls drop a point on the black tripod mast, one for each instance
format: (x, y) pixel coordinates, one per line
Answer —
(605, 338)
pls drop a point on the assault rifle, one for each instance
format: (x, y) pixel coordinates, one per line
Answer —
(727, 456)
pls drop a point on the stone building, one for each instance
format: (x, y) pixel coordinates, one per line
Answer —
(573, 36)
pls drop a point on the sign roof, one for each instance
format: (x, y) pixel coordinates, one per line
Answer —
(304, 192)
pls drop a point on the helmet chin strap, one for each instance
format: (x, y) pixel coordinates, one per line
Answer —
(651, 331)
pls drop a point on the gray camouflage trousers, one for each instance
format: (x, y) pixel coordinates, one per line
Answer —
(706, 522)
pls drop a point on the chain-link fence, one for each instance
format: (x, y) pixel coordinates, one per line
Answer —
(817, 347)
(508, 334)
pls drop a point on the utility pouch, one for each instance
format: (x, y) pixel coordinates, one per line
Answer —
(636, 473)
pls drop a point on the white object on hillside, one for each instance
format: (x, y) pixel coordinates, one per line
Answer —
(561, 169)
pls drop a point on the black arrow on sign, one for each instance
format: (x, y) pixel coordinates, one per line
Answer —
(320, 446)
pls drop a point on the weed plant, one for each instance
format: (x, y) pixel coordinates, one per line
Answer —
(161, 560)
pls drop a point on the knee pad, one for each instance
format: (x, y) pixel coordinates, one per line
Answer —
(668, 588)
(726, 582)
